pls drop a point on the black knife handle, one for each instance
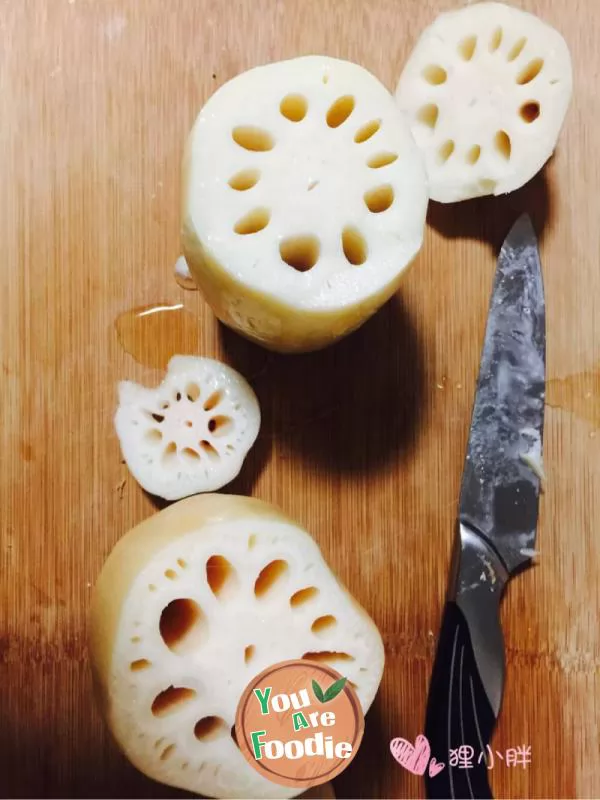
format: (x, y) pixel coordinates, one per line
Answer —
(459, 714)
(468, 673)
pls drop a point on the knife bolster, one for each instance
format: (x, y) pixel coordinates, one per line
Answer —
(478, 581)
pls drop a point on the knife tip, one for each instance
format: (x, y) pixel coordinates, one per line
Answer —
(522, 230)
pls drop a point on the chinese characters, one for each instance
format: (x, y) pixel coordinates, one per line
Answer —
(464, 757)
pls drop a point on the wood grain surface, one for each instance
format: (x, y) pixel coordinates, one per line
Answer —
(363, 443)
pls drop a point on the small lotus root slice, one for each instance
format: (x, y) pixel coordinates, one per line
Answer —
(486, 90)
(190, 434)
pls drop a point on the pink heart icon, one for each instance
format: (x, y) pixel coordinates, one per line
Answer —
(435, 767)
(413, 758)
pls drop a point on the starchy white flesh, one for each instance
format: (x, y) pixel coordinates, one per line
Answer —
(304, 201)
(183, 275)
(486, 89)
(190, 434)
(192, 604)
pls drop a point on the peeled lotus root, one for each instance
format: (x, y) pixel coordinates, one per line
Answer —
(304, 201)
(486, 90)
(189, 607)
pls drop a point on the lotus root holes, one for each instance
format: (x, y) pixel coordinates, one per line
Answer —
(496, 40)
(379, 199)
(380, 160)
(171, 700)
(244, 180)
(208, 729)
(294, 107)
(435, 75)
(445, 151)
(300, 252)
(324, 625)
(530, 72)
(503, 144)
(517, 49)
(340, 110)
(183, 626)
(530, 111)
(473, 155)
(466, 48)
(221, 576)
(270, 577)
(354, 246)
(254, 139)
(367, 131)
(428, 115)
(302, 596)
(254, 221)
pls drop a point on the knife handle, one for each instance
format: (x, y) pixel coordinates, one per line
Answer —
(468, 673)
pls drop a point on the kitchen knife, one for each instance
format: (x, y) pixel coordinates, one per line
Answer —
(496, 527)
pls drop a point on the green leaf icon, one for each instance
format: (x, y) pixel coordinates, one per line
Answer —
(318, 692)
(334, 690)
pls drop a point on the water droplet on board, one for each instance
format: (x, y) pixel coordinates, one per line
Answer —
(154, 334)
(578, 393)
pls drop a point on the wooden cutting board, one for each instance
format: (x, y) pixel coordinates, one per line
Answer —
(363, 443)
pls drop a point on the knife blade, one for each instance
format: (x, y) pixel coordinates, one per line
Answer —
(497, 521)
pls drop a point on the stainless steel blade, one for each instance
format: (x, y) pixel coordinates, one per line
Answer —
(500, 489)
